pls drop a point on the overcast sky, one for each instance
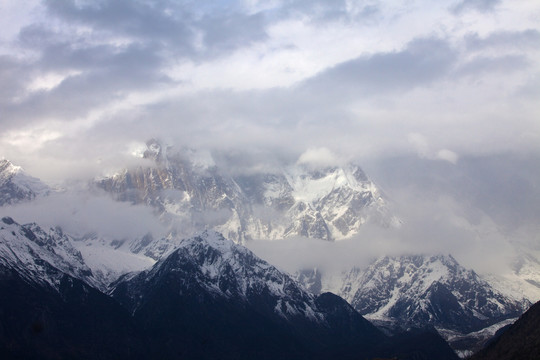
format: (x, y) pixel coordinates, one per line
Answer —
(86, 82)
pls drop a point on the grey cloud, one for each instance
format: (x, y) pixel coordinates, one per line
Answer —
(173, 25)
(421, 62)
(531, 89)
(502, 64)
(501, 186)
(159, 34)
(527, 39)
(323, 11)
(317, 10)
(14, 75)
(223, 33)
(141, 19)
(79, 214)
(107, 74)
(478, 5)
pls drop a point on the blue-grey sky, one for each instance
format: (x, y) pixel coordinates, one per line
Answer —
(86, 82)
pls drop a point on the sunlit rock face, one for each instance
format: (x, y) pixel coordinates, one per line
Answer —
(186, 186)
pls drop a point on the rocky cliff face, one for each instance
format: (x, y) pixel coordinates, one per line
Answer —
(328, 203)
(41, 256)
(424, 291)
(17, 186)
(435, 290)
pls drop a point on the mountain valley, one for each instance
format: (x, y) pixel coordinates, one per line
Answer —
(208, 290)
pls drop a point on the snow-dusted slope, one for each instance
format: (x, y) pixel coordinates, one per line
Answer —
(434, 290)
(227, 270)
(111, 258)
(213, 289)
(41, 256)
(424, 291)
(16, 185)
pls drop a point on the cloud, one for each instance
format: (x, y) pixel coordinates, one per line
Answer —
(447, 155)
(529, 38)
(478, 5)
(430, 227)
(503, 64)
(136, 20)
(82, 213)
(421, 62)
(318, 158)
(420, 144)
(436, 97)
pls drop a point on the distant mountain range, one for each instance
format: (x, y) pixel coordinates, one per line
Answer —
(208, 299)
(324, 203)
(398, 293)
(156, 279)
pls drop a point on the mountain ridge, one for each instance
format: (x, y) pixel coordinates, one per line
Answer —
(17, 186)
(329, 203)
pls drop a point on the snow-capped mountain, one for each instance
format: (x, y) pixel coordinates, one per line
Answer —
(17, 186)
(109, 258)
(50, 307)
(210, 292)
(329, 203)
(420, 291)
(213, 265)
(41, 256)
(210, 298)
(433, 290)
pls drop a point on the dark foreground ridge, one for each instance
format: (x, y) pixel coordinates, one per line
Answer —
(520, 340)
(209, 299)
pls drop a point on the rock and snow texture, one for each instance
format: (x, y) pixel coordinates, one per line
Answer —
(331, 203)
(111, 258)
(419, 291)
(17, 186)
(225, 270)
(44, 255)
(212, 288)
(41, 256)
(434, 290)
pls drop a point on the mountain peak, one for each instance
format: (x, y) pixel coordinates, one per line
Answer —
(213, 239)
(41, 255)
(329, 201)
(433, 289)
(7, 167)
(16, 185)
(154, 150)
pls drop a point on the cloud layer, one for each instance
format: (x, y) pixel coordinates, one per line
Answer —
(356, 77)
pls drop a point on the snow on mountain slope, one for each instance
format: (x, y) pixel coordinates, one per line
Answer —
(212, 296)
(424, 291)
(16, 185)
(191, 191)
(434, 290)
(228, 270)
(40, 255)
(109, 259)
